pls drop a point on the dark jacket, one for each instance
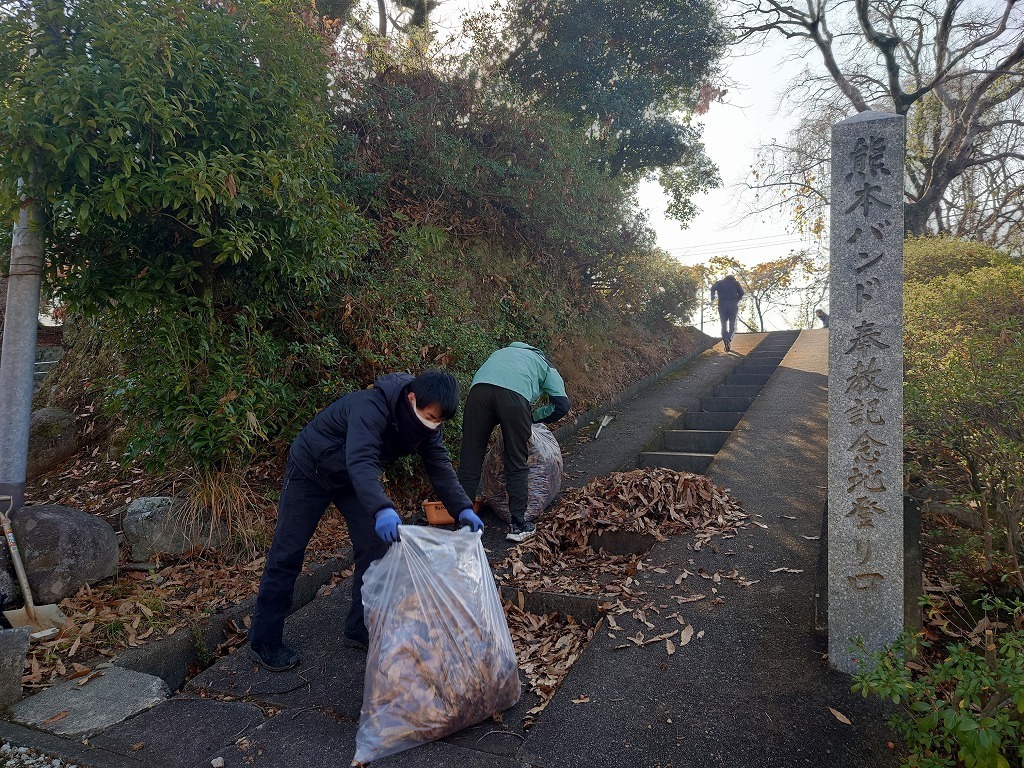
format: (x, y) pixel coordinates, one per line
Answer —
(729, 291)
(348, 443)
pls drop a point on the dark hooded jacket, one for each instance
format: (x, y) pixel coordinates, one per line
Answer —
(348, 443)
(729, 292)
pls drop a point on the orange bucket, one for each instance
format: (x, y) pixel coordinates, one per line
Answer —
(437, 514)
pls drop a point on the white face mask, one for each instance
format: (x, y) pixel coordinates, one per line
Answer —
(424, 421)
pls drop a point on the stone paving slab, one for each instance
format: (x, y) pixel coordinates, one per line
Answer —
(313, 737)
(330, 675)
(181, 732)
(77, 708)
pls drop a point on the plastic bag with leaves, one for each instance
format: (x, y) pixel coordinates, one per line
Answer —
(441, 656)
(545, 473)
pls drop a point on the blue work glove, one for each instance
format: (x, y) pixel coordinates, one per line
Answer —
(469, 517)
(387, 525)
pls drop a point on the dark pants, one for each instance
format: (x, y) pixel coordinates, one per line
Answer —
(486, 407)
(303, 503)
(727, 314)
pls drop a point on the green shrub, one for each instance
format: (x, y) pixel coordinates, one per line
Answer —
(966, 708)
(963, 392)
(928, 257)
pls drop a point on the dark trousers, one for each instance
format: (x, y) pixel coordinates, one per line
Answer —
(303, 503)
(727, 314)
(489, 406)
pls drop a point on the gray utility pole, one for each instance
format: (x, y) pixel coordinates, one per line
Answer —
(17, 361)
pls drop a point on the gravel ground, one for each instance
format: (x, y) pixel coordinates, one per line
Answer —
(12, 756)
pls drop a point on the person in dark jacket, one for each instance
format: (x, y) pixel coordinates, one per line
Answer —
(501, 394)
(822, 315)
(729, 294)
(338, 457)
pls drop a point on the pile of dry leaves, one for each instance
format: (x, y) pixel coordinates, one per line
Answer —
(651, 502)
(546, 648)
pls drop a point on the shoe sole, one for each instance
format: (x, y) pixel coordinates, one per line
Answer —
(518, 538)
(256, 657)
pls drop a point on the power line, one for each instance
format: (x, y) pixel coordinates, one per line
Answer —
(785, 236)
(767, 242)
(733, 249)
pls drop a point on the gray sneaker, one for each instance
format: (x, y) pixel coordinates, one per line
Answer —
(519, 532)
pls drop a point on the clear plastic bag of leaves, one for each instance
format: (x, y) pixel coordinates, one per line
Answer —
(441, 656)
(545, 473)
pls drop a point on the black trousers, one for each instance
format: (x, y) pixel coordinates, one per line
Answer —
(303, 503)
(727, 314)
(489, 406)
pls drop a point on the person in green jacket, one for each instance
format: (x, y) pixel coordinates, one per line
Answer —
(502, 392)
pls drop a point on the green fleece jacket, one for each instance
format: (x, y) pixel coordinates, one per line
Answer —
(523, 369)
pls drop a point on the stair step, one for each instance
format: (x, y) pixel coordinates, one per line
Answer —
(731, 404)
(736, 390)
(714, 422)
(746, 379)
(745, 369)
(682, 462)
(694, 440)
(766, 358)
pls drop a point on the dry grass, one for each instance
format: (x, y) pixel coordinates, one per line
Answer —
(221, 507)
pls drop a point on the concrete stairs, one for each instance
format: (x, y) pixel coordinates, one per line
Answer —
(696, 436)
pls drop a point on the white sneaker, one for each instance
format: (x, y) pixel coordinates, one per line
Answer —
(519, 532)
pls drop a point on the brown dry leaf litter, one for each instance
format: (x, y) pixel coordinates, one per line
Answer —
(653, 502)
(141, 606)
(546, 648)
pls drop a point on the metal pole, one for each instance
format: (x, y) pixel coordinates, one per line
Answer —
(17, 360)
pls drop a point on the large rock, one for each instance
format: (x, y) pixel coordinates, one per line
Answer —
(159, 525)
(52, 440)
(62, 549)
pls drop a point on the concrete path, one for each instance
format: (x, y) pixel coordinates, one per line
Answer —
(750, 688)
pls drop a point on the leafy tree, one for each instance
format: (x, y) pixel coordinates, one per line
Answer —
(629, 74)
(174, 142)
(186, 165)
(955, 70)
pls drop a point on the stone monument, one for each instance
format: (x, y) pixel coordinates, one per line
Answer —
(865, 387)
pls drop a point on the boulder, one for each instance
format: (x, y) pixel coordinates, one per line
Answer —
(52, 440)
(159, 524)
(62, 549)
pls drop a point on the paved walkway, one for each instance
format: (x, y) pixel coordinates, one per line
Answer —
(751, 688)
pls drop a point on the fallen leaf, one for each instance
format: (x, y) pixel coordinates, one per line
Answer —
(59, 716)
(670, 647)
(685, 635)
(583, 699)
(840, 716)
